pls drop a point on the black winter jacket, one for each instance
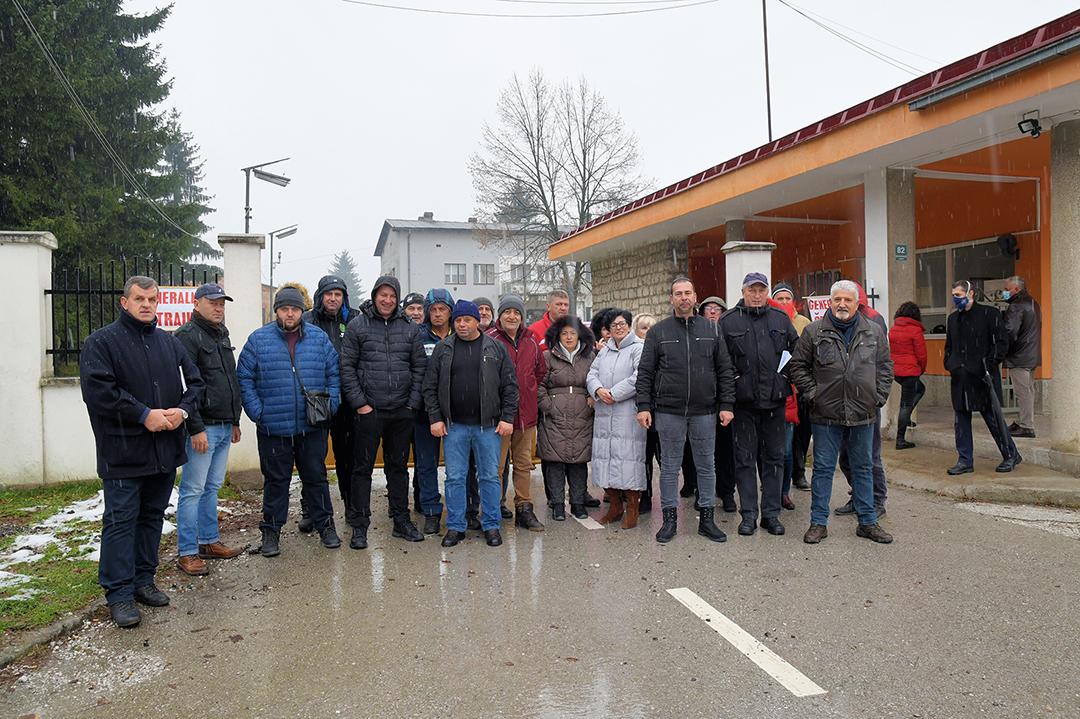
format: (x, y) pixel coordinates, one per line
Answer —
(332, 324)
(756, 339)
(975, 343)
(498, 382)
(212, 352)
(685, 369)
(382, 360)
(844, 385)
(1023, 323)
(126, 369)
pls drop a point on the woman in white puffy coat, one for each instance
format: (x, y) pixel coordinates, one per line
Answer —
(618, 449)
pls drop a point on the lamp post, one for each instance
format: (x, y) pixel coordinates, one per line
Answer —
(283, 232)
(768, 89)
(279, 180)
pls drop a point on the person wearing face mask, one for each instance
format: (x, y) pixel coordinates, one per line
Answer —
(975, 341)
(841, 366)
(1023, 322)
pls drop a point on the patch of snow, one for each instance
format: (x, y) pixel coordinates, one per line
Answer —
(33, 541)
(11, 579)
(22, 595)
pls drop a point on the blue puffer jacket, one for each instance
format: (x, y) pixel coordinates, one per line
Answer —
(270, 392)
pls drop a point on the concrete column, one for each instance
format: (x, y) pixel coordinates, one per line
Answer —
(26, 259)
(1064, 269)
(243, 282)
(742, 257)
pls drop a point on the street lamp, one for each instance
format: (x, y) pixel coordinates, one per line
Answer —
(283, 232)
(279, 180)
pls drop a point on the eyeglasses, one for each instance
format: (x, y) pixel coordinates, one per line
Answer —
(619, 323)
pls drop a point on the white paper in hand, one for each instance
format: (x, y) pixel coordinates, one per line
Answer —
(785, 357)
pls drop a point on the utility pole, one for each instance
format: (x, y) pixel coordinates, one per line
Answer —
(768, 89)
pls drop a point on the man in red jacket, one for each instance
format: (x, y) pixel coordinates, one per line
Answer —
(529, 367)
(558, 306)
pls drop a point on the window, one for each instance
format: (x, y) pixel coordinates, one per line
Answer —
(454, 273)
(517, 273)
(936, 268)
(483, 274)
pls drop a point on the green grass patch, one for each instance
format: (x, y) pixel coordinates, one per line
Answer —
(61, 585)
(46, 500)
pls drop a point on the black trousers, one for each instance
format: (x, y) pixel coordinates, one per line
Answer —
(801, 442)
(131, 533)
(277, 455)
(560, 474)
(725, 460)
(395, 432)
(652, 450)
(912, 390)
(342, 434)
(759, 438)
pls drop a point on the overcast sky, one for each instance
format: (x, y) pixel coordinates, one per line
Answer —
(380, 109)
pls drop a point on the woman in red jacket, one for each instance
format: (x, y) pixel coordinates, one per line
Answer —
(908, 347)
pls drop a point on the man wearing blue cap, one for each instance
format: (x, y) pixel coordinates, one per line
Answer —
(212, 427)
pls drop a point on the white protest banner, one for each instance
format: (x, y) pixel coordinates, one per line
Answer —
(175, 305)
(817, 305)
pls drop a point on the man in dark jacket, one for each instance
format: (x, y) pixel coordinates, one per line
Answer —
(842, 367)
(438, 304)
(975, 342)
(382, 370)
(684, 379)
(471, 396)
(529, 367)
(331, 313)
(759, 340)
(280, 362)
(139, 385)
(213, 427)
(1023, 324)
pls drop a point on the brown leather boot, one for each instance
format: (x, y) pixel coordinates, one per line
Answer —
(191, 564)
(615, 506)
(217, 550)
(633, 505)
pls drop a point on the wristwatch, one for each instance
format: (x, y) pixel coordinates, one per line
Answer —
(184, 413)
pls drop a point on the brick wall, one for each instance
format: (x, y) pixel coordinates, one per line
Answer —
(640, 279)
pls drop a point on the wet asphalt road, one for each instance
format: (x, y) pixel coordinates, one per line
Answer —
(965, 615)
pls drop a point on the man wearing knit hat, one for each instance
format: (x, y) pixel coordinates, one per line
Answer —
(487, 312)
(280, 363)
(471, 397)
(413, 307)
(438, 304)
(530, 369)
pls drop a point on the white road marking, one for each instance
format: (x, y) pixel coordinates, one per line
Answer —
(589, 523)
(791, 678)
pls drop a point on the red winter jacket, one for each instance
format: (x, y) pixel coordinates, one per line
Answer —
(908, 347)
(791, 405)
(530, 368)
(540, 328)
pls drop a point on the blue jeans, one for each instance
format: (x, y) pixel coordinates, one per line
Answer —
(789, 456)
(859, 443)
(426, 461)
(200, 480)
(674, 430)
(460, 441)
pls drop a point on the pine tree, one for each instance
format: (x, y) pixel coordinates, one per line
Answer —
(344, 267)
(54, 173)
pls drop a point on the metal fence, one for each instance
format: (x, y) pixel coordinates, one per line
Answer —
(85, 298)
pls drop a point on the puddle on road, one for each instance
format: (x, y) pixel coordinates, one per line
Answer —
(1050, 519)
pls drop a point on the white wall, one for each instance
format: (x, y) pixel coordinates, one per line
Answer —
(417, 257)
(69, 440)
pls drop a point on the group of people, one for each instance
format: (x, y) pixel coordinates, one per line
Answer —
(731, 396)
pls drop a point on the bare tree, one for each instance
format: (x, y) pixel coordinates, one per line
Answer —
(554, 159)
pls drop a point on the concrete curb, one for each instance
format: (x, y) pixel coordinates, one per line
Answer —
(985, 448)
(43, 635)
(983, 491)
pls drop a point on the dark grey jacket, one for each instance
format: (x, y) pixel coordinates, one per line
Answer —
(498, 382)
(845, 386)
(212, 352)
(756, 339)
(1023, 323)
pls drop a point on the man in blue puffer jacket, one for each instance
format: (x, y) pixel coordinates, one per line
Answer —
(278, 359)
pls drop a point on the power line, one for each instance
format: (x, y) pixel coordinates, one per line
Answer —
(466, 13)
(898, 64)
(854, 30)
(91, 123)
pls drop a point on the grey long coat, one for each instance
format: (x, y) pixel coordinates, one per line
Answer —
(618, 451)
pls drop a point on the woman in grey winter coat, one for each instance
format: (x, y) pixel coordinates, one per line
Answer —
(564, 432)
(618, 463)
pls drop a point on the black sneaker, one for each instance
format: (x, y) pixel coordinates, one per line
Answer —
(151, 596)
(359, 538)
(772, 525)
(329, 537)
(747, 526)
(473, 523)
(405, 529)
(452, 538)
(874, 532)
(306, 524)
(846, 508)
(578, 510)
(125, 614)
(1009, 464)
(493, 537)
(558, 513)
(431, 523)
(957, 469)
(591, 501)
(271, 543)
(904, 444)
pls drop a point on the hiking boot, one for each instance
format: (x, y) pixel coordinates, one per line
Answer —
(452, 537)
(151, 596)
(958, 468)
(306, 524)
(329, 537)
(729, 503)
(217, 550)
(772, 525)
(125, 614)
(707, 527)
(405, 529)
(846, 508)
(669, 527)
(615, 506)
(359, 538)
(473, 523)
(1009, 464)
(815, 534)
(192, 565)
(578, 510)
(271, 543)
(558, 512)
(591, 501)
(431, 523)
(874, 532)
(493, 537)
(632, 505)
(748, 525)
(526, 519)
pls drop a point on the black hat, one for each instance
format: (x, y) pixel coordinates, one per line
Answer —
(288, 297)
(413, 298)
(211, 291)
(332, 282)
